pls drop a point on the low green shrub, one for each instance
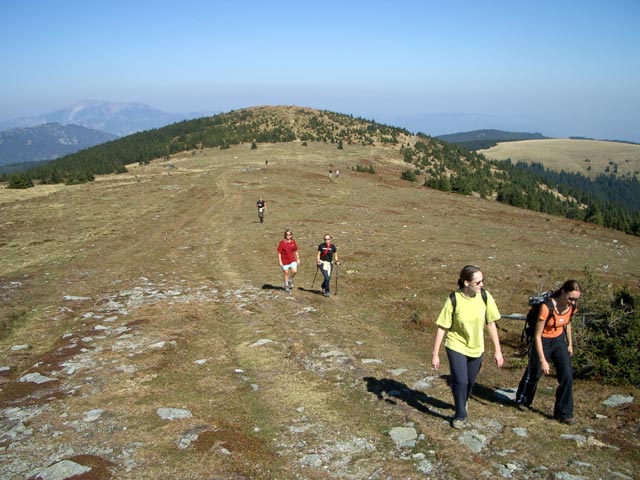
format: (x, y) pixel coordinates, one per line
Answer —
(607, 336)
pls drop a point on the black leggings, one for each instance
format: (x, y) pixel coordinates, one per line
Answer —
(556, 352)
(464, 371)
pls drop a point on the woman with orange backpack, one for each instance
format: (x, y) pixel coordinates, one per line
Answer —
(552, 342)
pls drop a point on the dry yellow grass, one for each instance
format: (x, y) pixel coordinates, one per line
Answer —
(569, 155)
(183, 252)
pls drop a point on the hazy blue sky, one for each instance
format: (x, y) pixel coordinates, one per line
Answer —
(560, 67)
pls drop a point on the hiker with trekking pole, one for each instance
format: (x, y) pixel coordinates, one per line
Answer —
(552, 342)
(325, 258)
(461, 321)
(262, 206)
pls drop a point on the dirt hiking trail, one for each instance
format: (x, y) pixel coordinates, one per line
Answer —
(148, 334)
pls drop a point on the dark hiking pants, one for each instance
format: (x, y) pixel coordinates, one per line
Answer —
(326, 274)
(556, 352)
(464, 371)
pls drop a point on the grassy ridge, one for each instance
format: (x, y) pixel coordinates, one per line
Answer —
(318, 397)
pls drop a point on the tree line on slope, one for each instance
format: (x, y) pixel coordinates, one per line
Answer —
(609, 200)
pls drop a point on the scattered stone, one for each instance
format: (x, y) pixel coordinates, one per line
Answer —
(474, 440)
(101, 328)
(371, 360)
(191, 436)
(568, 476)
(262, 341)
(162, 344)
(404, 437)
(173, 413)
(4, 369)
(600, 417)
(424, 383)
(62, 470)
(74, 298)
(17, 348)
(506, 394)
(202, 361)
(521, 432)
(299, 428)
(621, 476)
(93, 415)
(35, 378)
(304, 311)
(617, 400)
(17, 432)
(579, 439)
(333, 353)
(426, 467)
(313, 460)
(398, 371)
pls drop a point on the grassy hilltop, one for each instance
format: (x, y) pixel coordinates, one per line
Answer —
(587, 157)
(158, 288)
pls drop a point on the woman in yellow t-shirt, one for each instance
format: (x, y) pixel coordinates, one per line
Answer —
(463, 327)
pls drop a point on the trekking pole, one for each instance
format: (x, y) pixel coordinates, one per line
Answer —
(314, 277)
(337, 270)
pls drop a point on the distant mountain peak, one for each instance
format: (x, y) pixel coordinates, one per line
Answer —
(47, 141)
(117, 118)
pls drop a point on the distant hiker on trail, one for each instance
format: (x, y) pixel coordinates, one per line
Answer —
(462, 321)
(262, 206)
(337, 174)
(330, 174)
(325, 258)
(288, 258)
(550, 344)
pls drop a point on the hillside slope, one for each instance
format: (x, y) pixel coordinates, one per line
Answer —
(484, 139)
(47, 142)
(158, 289)
(587, 157)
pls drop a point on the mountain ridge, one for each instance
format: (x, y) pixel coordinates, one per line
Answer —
(47, 142)
(435, 163)
(117, 118)
(487, 138)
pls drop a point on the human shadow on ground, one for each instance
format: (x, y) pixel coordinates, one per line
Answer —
(310, 290)
(268, 286)
(485, 395)
(395, 390)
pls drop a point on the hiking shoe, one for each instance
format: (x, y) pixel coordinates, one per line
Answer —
(327, 293)
(290, 283)
(458, 423)
(522, 407)
(568, 421)
(287, 288)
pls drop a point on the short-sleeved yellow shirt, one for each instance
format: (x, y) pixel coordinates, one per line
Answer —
(465, 332)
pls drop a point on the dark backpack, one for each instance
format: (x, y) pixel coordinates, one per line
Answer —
(452, 297)
(531, 321)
